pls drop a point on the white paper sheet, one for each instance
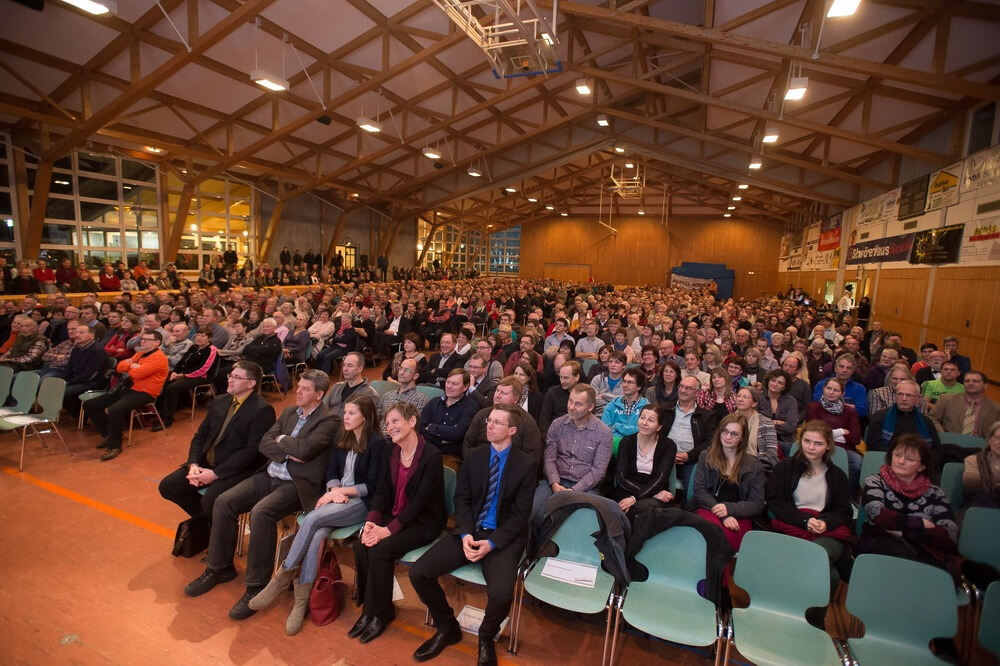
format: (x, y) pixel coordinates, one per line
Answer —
(574, 573)
(471, 617)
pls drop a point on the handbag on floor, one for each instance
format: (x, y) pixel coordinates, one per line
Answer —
(192, 537)
(326, 599)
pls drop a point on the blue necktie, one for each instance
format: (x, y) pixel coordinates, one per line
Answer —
(492, 492)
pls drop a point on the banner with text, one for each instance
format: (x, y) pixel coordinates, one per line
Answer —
(684, 282)
(894, 248)
(937, 246)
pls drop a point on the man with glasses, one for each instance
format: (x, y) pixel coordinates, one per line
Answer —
(223, 451)
(690, 427)
(494, 369)
(110, 412)
(407, 391)
(481, 387)
(903, 417)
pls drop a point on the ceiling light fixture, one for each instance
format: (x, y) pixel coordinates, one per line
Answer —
(731, 208)
(472, 171)
(756, 162)
(564, 213)
(770, 134)
(267, 80)
(742, 186)
(629, 165)
(797, 88)
(95, 8)
(619, 149)
(532, 199)
(640, 212)
(583, 86)
(841, 8)
(550, 207)
(61, 182)
(602, 120)
(737, 197)
(431, 153)
(154, 150)
(510, 188)
(369, 125)
(727, 215)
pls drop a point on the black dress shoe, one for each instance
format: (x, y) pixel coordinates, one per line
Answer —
(374, 629)
(359, 626)
(110, 454)
(209, 579)
(487, 652)
(241, 610)
(436, 644)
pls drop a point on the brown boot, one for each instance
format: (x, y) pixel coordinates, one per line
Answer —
(278, 584)
(294, 622)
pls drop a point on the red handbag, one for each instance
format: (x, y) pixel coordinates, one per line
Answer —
(326, 598)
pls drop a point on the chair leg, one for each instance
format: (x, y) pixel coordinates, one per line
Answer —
(131, 422)
(79, 418)
(20, 464)
(55, 426)
(516, 617)
(614, 631)
(194, 401)
(156, 412)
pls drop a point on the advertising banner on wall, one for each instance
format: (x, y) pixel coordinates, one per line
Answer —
(981, 241)
(982, 169)
(894, 248)
(913, 198)
(879, 210)
(685, 282)
(942, 190)
(829, 233)
(937, 246)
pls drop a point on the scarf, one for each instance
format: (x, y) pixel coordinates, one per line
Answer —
(912, 490)
(889, 426)
(753, 426)
(831, 406)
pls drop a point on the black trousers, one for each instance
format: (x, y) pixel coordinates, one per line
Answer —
(112, 423)
(71, 398)
(375, 567)
(175, 488)
(171, 395)
(268, 500)
(499, 570)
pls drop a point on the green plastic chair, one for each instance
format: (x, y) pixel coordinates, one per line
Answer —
(50, 398)
(903, 605)
(585, 366)
(871, 463)
(336, 533)
(430, 391)
(839, 456)
(24, 390)
(965, 441)
(667, 604)
(773, 629)
(382, 387)
(951, 484)
(6, 377)
(979, 540)
(450, 481)
(989, 620)
(575, 543)
(84, 397)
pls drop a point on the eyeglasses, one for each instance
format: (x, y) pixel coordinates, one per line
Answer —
(497, 423)
(238, 378)
(736, 434)
(899, 455)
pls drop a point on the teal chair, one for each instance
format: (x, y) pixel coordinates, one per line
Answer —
(24, 390)
(667, 604)
(839, 456)
(336, 533)
(979, 541)
(382, 387)
(575, 543)
(430, 391)
(871, 463)
(50, 398)
(450, 481)
(84, 397)
(989, 636)
(951, 484)
(903, 605)
(773, 629)
(586, 365)
(6, 377)
(965, 441)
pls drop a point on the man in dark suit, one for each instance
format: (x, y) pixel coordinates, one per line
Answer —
(481, 387)
(223, 451)
(492, 510)
(298, 448)
(442, 363)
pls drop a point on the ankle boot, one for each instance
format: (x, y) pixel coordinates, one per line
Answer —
(277, 585)
(294, 622)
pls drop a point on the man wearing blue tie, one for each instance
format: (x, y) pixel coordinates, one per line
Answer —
(492, 510)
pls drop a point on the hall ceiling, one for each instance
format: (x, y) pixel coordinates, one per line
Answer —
(688, 88)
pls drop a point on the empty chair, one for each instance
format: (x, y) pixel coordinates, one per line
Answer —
(23, 390)
(6, 378)
(965, 441)
(430, 391)
(951, 484)
(784, 576)
(382, 387)
(979, 544)
(989, 637)
(667, 604)
(903, 605)
(50, 398)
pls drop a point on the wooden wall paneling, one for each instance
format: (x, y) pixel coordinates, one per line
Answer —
(965, 303)
(902, 295)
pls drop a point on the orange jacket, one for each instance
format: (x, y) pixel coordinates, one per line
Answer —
(148, 373)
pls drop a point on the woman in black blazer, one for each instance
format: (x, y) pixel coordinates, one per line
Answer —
(407, 512)
(351, 481)
(645, 460)
(531, 397)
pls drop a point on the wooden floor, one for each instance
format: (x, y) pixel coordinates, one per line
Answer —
(88, 578)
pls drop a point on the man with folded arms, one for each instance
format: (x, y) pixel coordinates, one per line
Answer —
(223, 451)
(298, 448)
(492, 509)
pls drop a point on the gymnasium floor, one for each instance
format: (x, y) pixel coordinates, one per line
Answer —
(89, 579)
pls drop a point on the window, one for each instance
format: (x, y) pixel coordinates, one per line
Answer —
(505, 251)
(982, 128)
(218, 219)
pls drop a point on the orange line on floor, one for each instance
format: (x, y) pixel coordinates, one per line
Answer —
(169, 534)
(124, 516)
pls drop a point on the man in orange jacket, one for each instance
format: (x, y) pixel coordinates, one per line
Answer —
(148, 372)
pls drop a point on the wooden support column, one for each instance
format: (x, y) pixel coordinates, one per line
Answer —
(21, 197)
(272, 224)
(331, 249)
(177, 228)
(426, 245)
(390, 238)
(31, 228)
